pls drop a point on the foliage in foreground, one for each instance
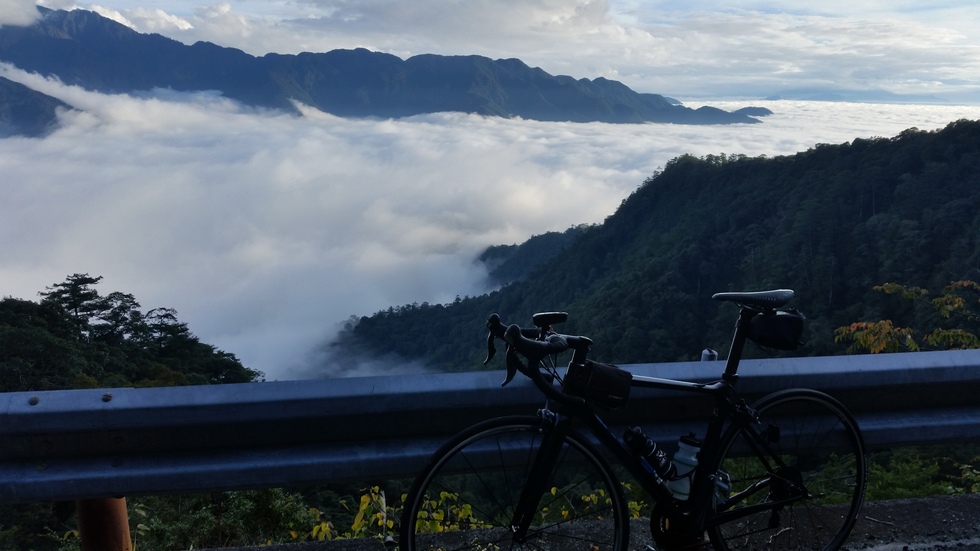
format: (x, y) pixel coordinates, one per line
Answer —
(923, 471)
(894, 474)
(75, 337)
(953, 315)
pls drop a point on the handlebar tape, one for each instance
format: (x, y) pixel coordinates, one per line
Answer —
(535, 350)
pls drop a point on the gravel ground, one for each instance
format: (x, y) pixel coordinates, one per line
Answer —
(921, 524)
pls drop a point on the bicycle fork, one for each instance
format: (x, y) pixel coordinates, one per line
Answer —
(539, 475)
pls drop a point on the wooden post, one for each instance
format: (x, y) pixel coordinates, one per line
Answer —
(103, 524)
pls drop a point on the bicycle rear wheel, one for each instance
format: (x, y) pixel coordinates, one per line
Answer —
(466, 495)
(796, 480)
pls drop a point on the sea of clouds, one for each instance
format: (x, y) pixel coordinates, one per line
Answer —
(266, 231)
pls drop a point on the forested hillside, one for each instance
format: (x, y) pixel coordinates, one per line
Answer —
(830, 222)
(75, 337)
(509, 263)
(25, 112)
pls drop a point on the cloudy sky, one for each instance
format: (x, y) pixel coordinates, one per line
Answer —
(684, 48)
(266, 231)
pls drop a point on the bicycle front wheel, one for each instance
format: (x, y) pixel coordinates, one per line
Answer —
(795, 480)
(465, 497)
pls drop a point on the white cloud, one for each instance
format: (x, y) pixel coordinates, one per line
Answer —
(266, 230)
(112, 14)
(747, 53)
(155, 21)
(17, 12)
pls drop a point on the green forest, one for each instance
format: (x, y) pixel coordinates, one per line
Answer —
(831, 223)
(75, 337)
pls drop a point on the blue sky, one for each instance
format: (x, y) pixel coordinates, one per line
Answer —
(685, 49)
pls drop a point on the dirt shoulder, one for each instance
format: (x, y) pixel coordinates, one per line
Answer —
(919, 524)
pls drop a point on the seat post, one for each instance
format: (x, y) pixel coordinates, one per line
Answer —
(738, 344)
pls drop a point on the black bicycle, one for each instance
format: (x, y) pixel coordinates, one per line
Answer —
(787, 472)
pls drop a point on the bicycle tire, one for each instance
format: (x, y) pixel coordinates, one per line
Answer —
(465, 496)
(823, 451)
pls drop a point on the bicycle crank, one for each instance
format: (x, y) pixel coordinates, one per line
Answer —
(670, 535)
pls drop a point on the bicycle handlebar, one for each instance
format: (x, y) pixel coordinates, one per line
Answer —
(535, 345)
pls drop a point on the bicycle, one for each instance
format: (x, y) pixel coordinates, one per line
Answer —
(787, 472)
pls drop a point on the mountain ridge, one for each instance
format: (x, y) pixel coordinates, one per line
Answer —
(26, 112)
(83, 48)
(831, 222)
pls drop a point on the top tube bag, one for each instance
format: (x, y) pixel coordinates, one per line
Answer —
(603, 385)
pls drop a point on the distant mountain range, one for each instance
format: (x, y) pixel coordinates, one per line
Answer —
(85, 49)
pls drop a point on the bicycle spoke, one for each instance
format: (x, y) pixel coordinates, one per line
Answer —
(478, 478)
(788, 473)
(810, 500)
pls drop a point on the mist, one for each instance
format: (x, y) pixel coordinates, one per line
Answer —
(267, 231)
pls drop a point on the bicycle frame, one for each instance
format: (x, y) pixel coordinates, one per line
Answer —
(693, 515)
(789, 470)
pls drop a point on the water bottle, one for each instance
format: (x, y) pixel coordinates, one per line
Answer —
(685, 461)
(641, 445)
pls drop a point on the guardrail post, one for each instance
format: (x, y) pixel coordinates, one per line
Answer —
(103, 524)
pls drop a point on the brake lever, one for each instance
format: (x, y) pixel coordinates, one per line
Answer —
(513, 364)
(491, 349)
(497, 330)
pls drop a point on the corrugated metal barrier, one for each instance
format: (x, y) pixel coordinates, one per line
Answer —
(77, 444)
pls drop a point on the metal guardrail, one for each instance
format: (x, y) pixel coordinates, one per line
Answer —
(78, 444)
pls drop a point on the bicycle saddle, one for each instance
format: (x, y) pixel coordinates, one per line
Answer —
(765, 300)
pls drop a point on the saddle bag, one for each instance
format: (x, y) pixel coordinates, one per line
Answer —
(603, 385)
(781, 329)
